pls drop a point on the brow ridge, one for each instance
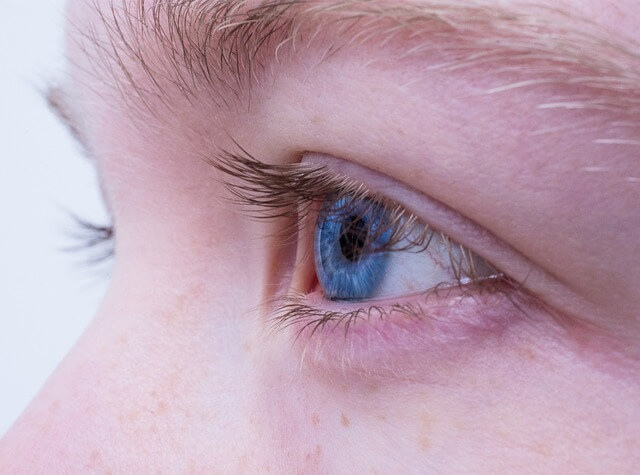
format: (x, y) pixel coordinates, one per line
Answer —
(226, 45)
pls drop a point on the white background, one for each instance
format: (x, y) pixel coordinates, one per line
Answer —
(47, 295)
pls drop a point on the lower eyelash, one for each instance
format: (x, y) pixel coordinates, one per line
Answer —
(295, 312)
(401, 341)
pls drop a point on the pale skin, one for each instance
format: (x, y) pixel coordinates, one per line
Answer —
(177, 373)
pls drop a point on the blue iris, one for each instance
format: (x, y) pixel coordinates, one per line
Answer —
(349, 237)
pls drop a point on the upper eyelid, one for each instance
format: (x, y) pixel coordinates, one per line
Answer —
(430, 211)
(272, 191)
(442, 218)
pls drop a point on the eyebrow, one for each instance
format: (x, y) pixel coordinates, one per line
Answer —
(225, 46)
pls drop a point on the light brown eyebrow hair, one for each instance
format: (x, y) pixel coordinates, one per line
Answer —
(153, 46)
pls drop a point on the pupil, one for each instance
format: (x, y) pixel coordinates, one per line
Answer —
(353, 237)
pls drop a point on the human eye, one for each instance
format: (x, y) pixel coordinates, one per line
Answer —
(369, 258)
(369, 248)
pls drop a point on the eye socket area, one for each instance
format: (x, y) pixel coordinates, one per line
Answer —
(349, 315)
(297, 196)
(373, 282)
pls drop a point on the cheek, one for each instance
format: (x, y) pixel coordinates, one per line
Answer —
(170, 382)
(531, 399)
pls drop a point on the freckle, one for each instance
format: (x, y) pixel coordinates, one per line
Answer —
(162, 407)
(95, 459)
(54, 406)
(344, 420)
(425, 443)
(132, 415)
(243, 462)
(373, 387)
(426, 419)
(246, 346)
(381, 417)
(542, 449)
(426, 422)
(527, 353)
(172, 382)
(316, 454)
(315, 419)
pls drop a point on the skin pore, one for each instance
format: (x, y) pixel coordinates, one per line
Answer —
(509, 126)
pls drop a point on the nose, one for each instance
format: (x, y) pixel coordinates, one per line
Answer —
(152, 389)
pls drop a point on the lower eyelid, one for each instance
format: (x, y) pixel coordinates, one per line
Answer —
(429, 327)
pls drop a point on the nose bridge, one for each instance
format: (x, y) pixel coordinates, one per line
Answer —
(137, 391)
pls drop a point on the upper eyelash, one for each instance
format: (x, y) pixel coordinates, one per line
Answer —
(97, 240)
(293, 190)
(279, 191)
